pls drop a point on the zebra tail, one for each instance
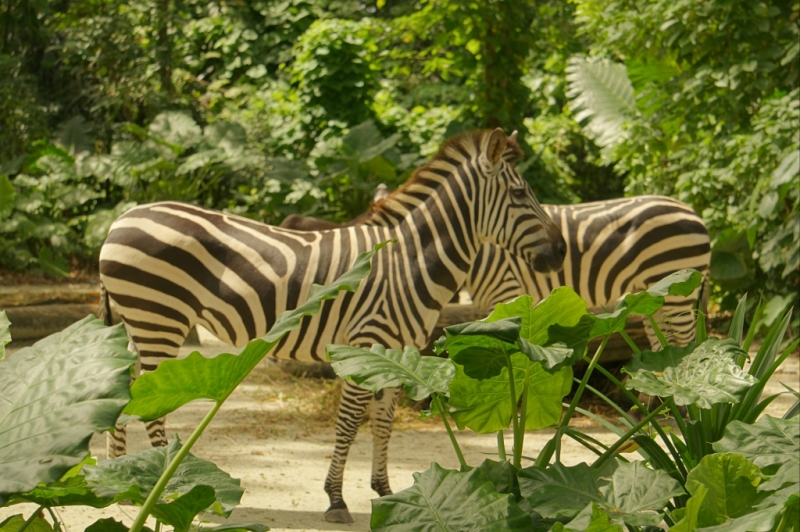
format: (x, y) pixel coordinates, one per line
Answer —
(104, 312)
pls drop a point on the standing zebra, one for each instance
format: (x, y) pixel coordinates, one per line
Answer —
(613, 247)
(169, 266)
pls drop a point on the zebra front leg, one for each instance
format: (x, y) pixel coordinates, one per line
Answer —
(352, 406)
(381, 415)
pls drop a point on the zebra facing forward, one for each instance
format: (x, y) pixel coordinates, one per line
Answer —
(614, 247)
(169, 266)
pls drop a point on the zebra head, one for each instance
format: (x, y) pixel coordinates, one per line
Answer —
(507, 211)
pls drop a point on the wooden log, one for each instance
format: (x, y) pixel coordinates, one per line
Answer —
(21, 296)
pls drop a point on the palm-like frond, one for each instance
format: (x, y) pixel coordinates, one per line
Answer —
(601, 95)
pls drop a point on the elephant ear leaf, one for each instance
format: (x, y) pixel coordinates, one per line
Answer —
(55, 395)
(442, 499)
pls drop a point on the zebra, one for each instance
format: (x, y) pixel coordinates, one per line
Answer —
(169, 265)
(614, 247)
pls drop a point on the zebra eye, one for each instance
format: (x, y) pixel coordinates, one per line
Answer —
(518, 192)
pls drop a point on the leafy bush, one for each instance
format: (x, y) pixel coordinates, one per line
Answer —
(514, 367)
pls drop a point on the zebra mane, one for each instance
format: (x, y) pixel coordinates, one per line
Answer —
(459, 146)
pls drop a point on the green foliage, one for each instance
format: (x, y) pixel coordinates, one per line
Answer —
(87, 356)
(419, 376)
(195, 486)
(500, 381)
(714, 125)
(56, 393)
(435, 503)
(702, 375)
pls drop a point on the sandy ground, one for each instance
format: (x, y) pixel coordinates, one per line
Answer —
(276, 434)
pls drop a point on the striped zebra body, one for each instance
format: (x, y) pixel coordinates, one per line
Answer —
(169, 266)
(614, 247)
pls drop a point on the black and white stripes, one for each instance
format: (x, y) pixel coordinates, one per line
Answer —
(169, 266)
(613, 247)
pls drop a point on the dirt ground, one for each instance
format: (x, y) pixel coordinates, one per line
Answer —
(276, 434)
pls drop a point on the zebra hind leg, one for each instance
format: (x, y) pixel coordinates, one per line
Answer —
(381, 415)
(352, 407)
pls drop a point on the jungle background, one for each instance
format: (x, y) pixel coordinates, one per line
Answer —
(265, 108)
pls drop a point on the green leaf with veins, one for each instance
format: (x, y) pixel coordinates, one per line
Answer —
(197, 484)
(648, 302)
(378, 368)
(443, 500)
(637, 495)
(486, 406)
(766, 442)
(54, 395)
(731, 481)
(703, 375)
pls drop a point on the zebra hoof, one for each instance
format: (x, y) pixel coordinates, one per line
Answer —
(338, 515)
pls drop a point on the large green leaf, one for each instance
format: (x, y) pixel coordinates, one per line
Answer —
(647, 303)
(443, 500)
(766, 442)
(54, 395)
(177, 382)
(731, 481)
(70, 490)
(600, 91)
(378, 368)
(687, 520)
(563, 307)
(634, 494)
(5, 333)
(703, 375)
(486, 406)
(176, 127)
(481, 346)
(197, 484)
(637, 495)
(559, 491)
(16, 522)
(230, 136)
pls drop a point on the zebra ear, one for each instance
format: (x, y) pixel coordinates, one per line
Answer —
(495, 146)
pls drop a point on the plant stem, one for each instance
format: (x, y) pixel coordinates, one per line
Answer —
(519, 436)
(672, 450)
(661, 338)
(452, 436)
(29, 520)
(513, 389)
(147, 507)
(627, 436)
(782, 523)
(56, 522)
(572, 406)
(501, 445)
(630, 342)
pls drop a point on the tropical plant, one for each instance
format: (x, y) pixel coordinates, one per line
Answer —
(85, 371)
(514, 367)
(711, 123)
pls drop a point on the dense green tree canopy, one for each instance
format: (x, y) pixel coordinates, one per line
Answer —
(266, 108)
